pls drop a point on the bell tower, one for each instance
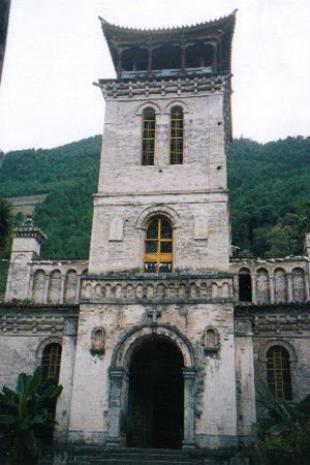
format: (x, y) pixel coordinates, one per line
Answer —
(167, 125)
(158, 285)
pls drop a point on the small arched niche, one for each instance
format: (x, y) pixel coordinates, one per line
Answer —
(97, 341)
(211, 341)
(298, 281)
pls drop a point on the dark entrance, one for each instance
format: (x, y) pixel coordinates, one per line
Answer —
(156, 395)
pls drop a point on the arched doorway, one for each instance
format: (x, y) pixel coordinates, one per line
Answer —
(156, 394)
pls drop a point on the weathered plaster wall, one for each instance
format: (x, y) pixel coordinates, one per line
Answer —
(215, 373)
(24, 332)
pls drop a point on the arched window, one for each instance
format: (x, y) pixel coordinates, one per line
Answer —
(176, 135)
(158, 246)
(148, 136)
(51, 361)
(245, 285)
(279, 372)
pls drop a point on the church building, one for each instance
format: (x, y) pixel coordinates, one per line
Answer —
(161, 335)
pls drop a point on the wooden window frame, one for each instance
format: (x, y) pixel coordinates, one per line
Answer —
(51, 360)
(148, 137)
(279, 377)
(176, 141)
(158, 258)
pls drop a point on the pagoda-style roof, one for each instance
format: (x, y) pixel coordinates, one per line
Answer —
(215, 24)
(218, 32)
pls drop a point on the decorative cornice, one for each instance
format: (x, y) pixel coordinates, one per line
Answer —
(279, 323)
(112, 88)
(20, 323)
(287, 308)
(35, 319)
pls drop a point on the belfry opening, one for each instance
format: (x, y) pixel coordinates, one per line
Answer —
(156, 395)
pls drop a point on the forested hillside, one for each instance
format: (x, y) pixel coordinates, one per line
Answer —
(269, 193)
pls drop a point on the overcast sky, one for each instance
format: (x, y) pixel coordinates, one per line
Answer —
(55, 50)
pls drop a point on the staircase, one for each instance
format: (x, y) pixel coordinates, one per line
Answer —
(90, 455)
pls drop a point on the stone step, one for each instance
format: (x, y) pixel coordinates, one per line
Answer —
(131, 461)
(124, 456)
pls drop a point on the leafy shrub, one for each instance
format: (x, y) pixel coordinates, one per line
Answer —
(27, 417)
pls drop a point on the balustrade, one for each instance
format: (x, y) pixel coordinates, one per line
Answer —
(157, 289)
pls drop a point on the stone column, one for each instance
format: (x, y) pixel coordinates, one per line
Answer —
(271, 284)
(235, 283)
(78, 289)
(253, 279)
(189, 435)
(115, 401)
(245, 378)
(66, 380)
(30, 288)
(47, 281)
(307, 282)
(289, 287)
(62, 289)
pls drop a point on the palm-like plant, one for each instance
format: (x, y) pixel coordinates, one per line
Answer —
(6, 222)
(283, 438)
(27, 417)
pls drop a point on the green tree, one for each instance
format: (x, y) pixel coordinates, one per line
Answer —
(6, 222)
(27, 417)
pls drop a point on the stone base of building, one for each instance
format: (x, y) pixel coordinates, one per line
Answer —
(97, 455)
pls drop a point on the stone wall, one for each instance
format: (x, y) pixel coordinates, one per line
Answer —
(193, 195)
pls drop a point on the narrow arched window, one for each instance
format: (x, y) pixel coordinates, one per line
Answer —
(148, 136)
(279, 372)
(176, 135)
(51, 361)
(158, 246)
(245, 285)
